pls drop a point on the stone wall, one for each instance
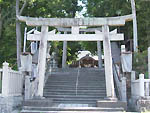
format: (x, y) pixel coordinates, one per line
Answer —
(8, 104)
(140, 105)
(143, 105)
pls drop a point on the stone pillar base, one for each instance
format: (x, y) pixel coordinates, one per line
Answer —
(111, 98)
(112, 103)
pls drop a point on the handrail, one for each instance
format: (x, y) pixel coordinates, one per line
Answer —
(47, 68)
(116, 69)
(117, 79)
(35, 83)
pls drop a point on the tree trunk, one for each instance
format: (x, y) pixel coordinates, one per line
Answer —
(135, 37)
(18, 38)
(18, 35)
(18, 31)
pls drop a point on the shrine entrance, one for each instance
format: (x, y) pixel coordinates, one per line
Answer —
(74, 24)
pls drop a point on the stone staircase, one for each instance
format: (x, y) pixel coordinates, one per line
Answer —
(71, 90)
(83, 86)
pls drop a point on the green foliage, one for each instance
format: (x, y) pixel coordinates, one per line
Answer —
(68, 8)
(140, 63)
(90, 46)
(8, 37)
(52, 8)
(72, 49)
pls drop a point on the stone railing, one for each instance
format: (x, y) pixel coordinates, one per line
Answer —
(12, 81)
(140, 87)
(31, 88)
(120, 85)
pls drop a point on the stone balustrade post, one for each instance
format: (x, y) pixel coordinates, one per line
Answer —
(132, 75)
(149, 62)
(123, 89)
(141, 85)
(27, 87)
(147, 89)
(132, 85)
(123, 48)
(5, 80)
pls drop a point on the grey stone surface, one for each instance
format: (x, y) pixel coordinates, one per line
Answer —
(9, 104)
(112, 104)
(139, 104)
(143, 105)
(38, 102)
(15, 111)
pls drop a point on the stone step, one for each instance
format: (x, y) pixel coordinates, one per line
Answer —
(81, 71)
(85, 91)
(75, 96)
(89, 103)
(79, 79)
(75, 69)
(74, 85)
(74, 88)
(102, 81)
(111, 104)
(72, 77)
(74, 93)
(69, 110)
(77, 99)
(75, 72)
(92, 91)
(89, 85)
(74, 82)
(38, 102)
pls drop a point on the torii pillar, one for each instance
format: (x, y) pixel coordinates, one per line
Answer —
(99, 51)
(42, 59)
(108, 62)
(64, 57)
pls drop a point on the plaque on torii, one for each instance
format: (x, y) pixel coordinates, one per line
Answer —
(104, 36)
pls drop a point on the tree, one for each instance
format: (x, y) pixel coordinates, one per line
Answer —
(18, 30)
(7, 32)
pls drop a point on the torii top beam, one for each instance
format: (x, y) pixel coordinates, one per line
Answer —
(68, 22)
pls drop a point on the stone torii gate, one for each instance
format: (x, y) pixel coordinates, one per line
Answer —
(74, 23)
